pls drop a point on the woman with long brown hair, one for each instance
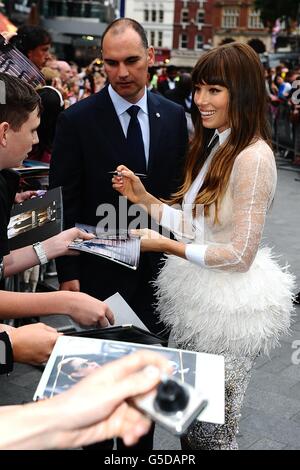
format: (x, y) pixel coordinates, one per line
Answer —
(219, 290)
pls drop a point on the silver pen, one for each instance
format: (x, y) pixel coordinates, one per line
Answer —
(119, 173)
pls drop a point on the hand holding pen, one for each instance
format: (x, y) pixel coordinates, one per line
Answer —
(128, 183)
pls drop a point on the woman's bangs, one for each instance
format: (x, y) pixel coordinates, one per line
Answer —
(209, 71)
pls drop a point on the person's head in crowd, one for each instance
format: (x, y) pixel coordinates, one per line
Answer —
(35, 43)
(278, 80)
(278, 69)
(297, 70)
(19, 120)
(151, 72)
(65, 71)
(88, 85)
(50, 75)
(126, 58)
(99, 80)
(284, 71)
(95, 66)
(291, 76)
(172, 72)
(74, 87)
(53, 64)
(162, 73)
(152, 77)
(271, 72)
(184, 84)
(74, 68)
(75, 368)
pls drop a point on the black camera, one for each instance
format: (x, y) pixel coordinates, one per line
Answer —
(174, 405)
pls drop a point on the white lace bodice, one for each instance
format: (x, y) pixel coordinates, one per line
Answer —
(232, 243)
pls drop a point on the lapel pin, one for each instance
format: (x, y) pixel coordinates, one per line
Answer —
(157, 115)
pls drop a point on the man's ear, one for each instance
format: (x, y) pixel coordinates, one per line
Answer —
(151, 56)
(4, 127)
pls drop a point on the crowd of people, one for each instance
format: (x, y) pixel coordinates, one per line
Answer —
(210, 179)
(284, 105)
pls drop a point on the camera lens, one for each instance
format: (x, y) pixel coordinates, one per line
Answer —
(171, 397)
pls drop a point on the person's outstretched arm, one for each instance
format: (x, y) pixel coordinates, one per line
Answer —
(24, 258)
(94, 410)
(83, 308)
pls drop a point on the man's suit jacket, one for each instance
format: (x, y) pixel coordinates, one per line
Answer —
(89, 143)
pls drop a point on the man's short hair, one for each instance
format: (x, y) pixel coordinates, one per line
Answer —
(124, 23)
(18, 101)
(29, 37)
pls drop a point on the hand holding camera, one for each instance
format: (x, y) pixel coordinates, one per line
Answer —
(174, 405)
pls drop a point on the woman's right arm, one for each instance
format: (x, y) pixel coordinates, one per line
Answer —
(173, 219)
(130, 186)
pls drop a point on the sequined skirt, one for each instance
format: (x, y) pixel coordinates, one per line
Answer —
(208, 436)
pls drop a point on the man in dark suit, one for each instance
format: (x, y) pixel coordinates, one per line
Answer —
(91, 141)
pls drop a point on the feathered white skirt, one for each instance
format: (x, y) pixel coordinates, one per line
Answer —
(224, 312)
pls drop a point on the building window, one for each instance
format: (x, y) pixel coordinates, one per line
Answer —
(183, 41)
(146, 15)
(160, 39)
(153, 16)
(161, 16)
(254, 20)
(230, 17)
(152, 38)
(199, 41)
(184, 16)
(200, 17)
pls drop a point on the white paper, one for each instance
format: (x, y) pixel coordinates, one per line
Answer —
(124, 315)
(206, 371)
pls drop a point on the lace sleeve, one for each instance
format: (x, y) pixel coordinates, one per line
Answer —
(178, 222)
(252, 184)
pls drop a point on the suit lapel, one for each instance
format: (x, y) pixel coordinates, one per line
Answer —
(155, 122)
(111, 128)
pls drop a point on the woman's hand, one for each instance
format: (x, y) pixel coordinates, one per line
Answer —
(33, 344)
(151, 240)
(129, 185)
(59, 244)
(86, 310)
(23, 196)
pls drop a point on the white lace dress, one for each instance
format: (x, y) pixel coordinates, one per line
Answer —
(239, 301)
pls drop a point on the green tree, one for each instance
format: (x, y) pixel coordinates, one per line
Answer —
(273, 9)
